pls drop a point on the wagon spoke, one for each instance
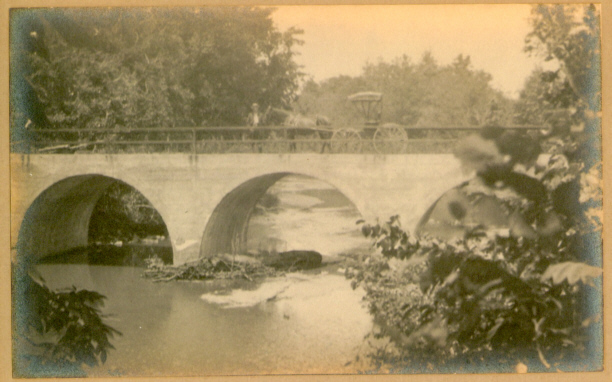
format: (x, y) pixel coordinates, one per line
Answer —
(346, 141)
(390, 140)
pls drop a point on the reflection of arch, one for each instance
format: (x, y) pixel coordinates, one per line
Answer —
(58, 219)
(226, 230)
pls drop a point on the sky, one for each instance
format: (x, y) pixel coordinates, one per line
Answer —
(339, 40)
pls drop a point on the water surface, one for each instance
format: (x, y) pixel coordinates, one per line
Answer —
(300, 323)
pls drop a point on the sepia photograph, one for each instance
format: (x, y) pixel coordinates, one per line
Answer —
(262, 190)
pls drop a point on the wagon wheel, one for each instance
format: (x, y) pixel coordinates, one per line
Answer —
(308, 143)
(346, 141)
(390, 140)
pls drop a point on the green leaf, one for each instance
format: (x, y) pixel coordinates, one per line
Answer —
(498, 323)
(572, 272)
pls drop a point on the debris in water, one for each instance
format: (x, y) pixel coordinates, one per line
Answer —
(294, 260)
(220, 267)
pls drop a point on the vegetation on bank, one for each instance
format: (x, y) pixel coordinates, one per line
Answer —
(524, 298)
(485, 298)
(56, 332)
(526, 295)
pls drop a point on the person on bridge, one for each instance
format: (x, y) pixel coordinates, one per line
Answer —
(255, 119)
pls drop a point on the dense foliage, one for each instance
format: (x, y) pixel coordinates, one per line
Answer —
(124, 214)
(569, 37)
(148, 67)
(422, 94)
(527, 297)
(57, 332)
(482, 299)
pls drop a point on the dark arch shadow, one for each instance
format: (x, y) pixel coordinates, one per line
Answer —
(226, 230)
(455, 213)
(58, 220)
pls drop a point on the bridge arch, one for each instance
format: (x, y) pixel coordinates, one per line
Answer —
(59, 217)
(227, 228)
(185, 189)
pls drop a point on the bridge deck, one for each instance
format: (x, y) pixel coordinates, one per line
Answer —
(383, 139)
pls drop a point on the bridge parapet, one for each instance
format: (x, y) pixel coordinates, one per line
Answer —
(362, 139)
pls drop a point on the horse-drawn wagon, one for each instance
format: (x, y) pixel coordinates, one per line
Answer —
(387, 138)
(297, 133)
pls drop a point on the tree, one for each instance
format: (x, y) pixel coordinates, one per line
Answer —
(569, 35)
(542, 95)
(455, 94)
(422, 94)
(399, 83)
(528, 295)
(329, 98)
(150, 67)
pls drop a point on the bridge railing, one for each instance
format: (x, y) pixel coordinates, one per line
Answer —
(385, 139)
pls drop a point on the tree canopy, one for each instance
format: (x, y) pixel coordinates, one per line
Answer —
(148, 67)
(423, 93)
(570, 36)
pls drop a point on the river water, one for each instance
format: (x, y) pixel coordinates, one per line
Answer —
(306, 322)
(300, 323)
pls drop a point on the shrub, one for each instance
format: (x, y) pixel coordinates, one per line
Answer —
(57, 332)
(526, 295)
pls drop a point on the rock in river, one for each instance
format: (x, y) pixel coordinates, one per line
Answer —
(294, 260)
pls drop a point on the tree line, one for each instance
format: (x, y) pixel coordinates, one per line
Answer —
(151, 67)
(417, 94)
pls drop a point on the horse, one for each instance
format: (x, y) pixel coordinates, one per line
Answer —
(301, 121)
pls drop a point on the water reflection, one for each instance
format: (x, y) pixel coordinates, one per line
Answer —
(314, 324)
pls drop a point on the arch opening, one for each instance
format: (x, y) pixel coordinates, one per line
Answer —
(455, 213)
(283, 212)
(93, 219)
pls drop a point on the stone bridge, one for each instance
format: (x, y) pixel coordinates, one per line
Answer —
(206, 200)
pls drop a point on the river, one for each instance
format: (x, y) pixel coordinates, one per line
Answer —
(306, 322)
